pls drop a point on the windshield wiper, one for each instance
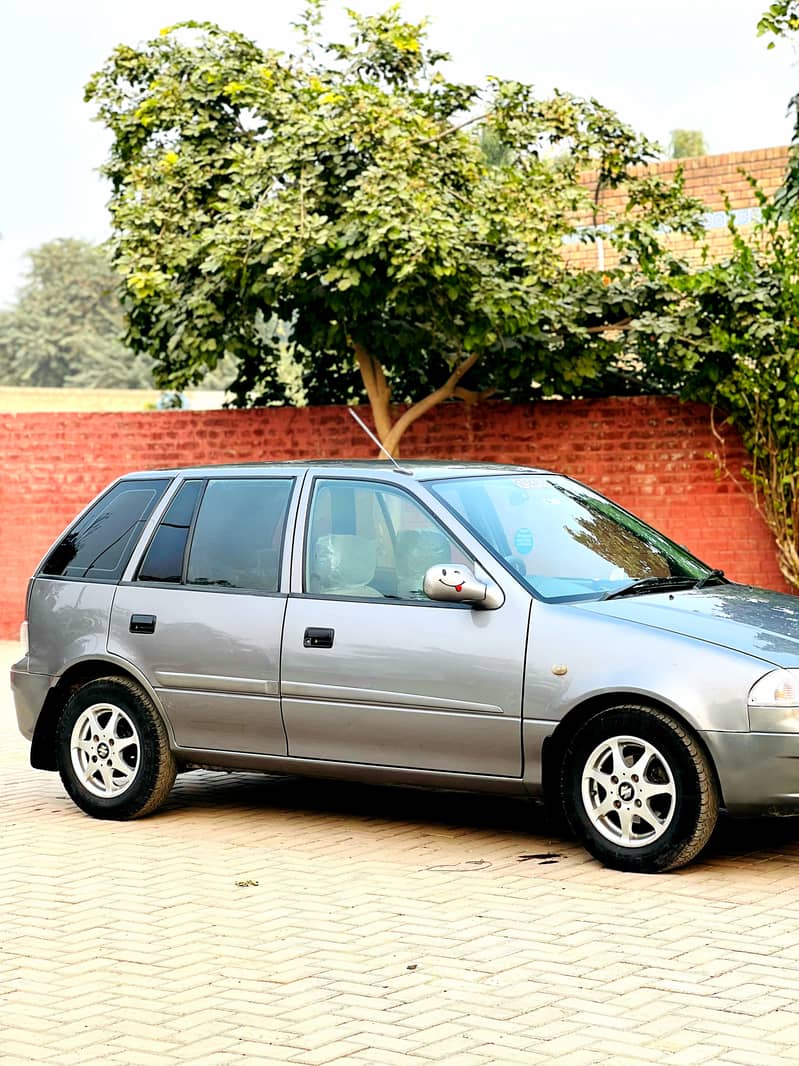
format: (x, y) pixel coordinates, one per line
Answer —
(651, 584)
(711, 575)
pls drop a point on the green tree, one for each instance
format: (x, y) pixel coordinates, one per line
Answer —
(66, 327)
(728, 335)
(496, 153)
(341, 190)
(781, 19)
(686, 143)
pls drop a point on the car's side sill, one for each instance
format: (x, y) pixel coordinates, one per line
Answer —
(199, 759)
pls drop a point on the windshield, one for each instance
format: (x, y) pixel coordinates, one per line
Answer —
(565, 541)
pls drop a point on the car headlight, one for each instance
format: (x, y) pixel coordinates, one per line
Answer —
(774, 703)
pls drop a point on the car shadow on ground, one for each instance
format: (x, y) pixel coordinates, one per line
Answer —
(507, 816)
(361, 802)
(754, 838)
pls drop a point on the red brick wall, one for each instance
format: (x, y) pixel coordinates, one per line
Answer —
(651, 455)
(710, 178)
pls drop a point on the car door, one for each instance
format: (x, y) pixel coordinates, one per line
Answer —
(375, 673)
(203, 612)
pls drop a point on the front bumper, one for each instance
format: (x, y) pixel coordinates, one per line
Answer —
(30, 692)
(758, 772)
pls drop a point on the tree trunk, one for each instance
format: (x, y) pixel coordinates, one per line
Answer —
(379, 393)
(377, 389)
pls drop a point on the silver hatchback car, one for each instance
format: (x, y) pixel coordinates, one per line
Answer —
(456, 626)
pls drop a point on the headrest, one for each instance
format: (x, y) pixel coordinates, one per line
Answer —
(344, 560)
(418, 549)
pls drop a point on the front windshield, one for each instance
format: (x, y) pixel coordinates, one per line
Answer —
(565, 541)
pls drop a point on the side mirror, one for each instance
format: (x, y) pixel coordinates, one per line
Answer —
(457, 584)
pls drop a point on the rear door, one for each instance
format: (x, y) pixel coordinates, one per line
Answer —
(203, 612)
(372, 671)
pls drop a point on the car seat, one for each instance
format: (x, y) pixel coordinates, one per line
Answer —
(417, 550)
(343, 565)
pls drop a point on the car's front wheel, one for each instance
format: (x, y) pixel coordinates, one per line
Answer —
(113, 750)
(638, 790)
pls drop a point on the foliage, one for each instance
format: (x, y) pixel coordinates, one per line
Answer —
(733, 342)
(67, 324)
(779, 19)
(170, 401)
(495, 151)
(341, 190)
(686, 143)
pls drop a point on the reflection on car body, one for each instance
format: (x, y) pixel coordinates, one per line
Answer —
(454, 625)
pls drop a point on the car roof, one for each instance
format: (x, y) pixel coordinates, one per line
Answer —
(422, 470)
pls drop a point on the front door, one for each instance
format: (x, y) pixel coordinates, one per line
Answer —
(375, 673)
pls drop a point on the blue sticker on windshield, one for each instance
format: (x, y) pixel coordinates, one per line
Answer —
(523, 541)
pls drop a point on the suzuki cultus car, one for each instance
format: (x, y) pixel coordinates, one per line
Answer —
(459, 626)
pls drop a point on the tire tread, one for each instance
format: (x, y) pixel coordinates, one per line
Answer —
(682, 851)
(158, 775)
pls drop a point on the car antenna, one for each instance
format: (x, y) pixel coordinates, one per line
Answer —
(368, 432)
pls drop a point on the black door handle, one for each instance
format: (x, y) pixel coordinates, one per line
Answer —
(318, 638)
(142, 623)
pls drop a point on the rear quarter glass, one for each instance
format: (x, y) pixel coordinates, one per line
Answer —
(98, 546)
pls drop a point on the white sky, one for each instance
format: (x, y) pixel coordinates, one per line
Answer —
(694, 64)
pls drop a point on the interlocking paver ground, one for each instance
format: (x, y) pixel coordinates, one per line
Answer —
(270, 920)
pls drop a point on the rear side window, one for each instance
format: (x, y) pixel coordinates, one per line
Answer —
(99, 546)
(238, 534)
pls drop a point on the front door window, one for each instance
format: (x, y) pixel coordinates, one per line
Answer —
(372, 541)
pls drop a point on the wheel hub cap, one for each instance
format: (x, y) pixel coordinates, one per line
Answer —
(629, 792)
(105, 750)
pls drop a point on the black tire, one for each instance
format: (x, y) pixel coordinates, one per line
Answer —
(648, 821)
(113, 750)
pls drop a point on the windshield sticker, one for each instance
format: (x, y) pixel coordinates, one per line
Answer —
(526, 482)
(523, 540)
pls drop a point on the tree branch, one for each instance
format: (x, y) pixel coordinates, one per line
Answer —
(624, 324)
(423, 406)
(377, 389)
(471, 396)
(453, 129)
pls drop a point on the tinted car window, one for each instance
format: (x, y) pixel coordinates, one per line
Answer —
(238, 535)
(99, 546)
(368, 540)
(164, 558)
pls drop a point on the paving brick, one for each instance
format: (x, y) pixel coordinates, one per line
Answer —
(130, 944)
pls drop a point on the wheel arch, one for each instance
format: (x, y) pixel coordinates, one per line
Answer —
(554, 747)
(43, 753)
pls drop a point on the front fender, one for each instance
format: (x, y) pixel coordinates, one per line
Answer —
(575, 657)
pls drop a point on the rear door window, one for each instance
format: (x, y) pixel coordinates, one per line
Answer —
(98, 547)
(163, 560)
(238, 534)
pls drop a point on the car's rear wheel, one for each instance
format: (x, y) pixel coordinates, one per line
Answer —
(638, 790)
(113, 750)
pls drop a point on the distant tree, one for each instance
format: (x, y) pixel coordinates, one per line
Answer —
(341, 190)
(686, 143)
(495, 151)
(66, 327)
